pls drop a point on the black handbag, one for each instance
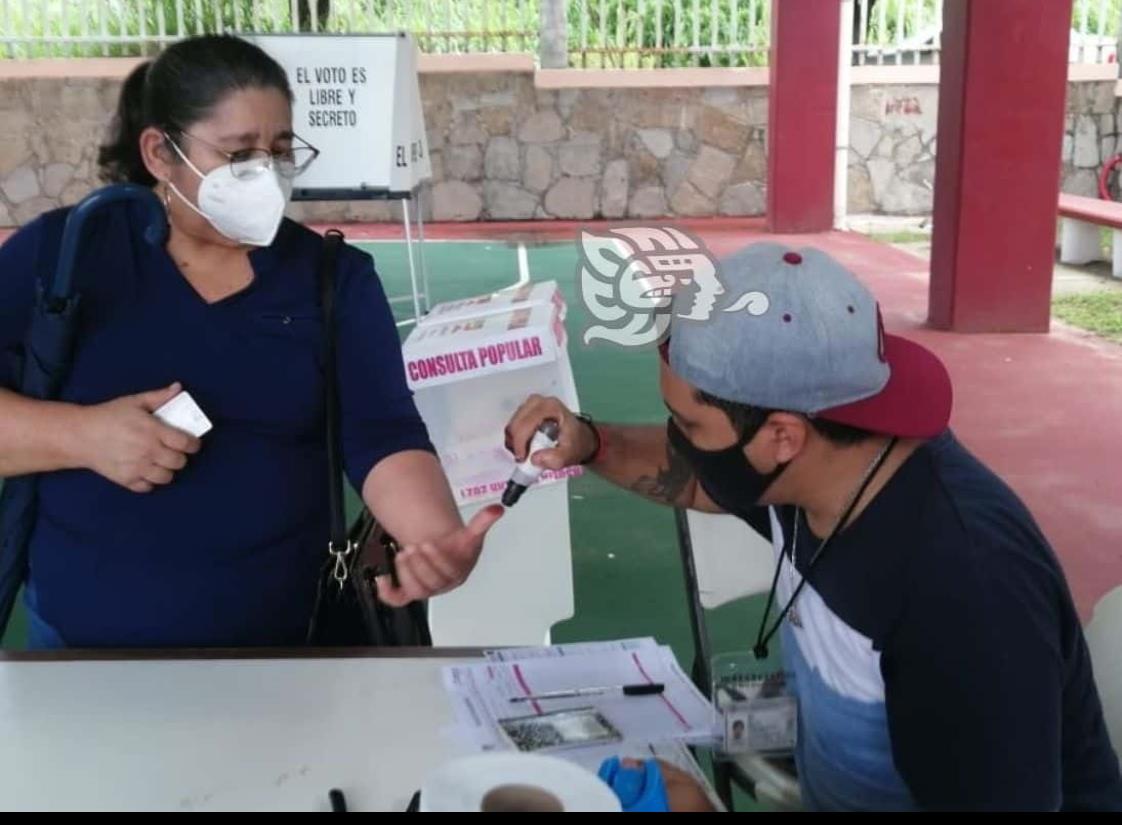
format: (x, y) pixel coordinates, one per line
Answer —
(347, 609)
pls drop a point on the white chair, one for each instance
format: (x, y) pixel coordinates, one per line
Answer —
(1104, 640)
(723, 560)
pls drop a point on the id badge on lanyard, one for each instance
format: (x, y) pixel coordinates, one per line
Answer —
(757, 714)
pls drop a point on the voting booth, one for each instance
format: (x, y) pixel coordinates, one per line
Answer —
(470, 364)
(358, 100)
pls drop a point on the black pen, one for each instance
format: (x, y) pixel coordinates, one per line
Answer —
(652, 689)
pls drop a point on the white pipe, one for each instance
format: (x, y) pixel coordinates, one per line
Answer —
(421, 249)
(523, 267)
(841, 143)
(409, 254)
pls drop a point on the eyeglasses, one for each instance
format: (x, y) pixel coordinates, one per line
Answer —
(249, 163)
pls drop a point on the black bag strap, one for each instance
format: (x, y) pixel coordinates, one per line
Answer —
(332, 241)
(409, 626)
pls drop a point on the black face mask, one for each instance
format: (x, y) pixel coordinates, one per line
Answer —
(726, 475)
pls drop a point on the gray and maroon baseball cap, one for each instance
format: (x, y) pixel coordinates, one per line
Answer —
(798, 332)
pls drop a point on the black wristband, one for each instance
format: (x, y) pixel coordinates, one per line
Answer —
(587, 419)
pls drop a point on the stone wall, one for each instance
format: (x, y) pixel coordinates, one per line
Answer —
(507, 150)
(49, 132)
(503, 148)
(892, 149)
(1091, 135)
(892, 144)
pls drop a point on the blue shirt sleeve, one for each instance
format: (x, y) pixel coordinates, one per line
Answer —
(379, 417)
(19, 263)
(974, 676)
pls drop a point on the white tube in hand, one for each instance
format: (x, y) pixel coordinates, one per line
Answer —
(527, 472)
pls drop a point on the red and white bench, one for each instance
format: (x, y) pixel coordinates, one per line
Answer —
(1079, 236)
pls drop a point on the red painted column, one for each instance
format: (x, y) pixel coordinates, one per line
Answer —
(802, 115)
(1002, 89)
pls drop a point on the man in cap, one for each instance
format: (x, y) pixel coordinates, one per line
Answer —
(937, 656)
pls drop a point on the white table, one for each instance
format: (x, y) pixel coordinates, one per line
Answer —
(265, 734)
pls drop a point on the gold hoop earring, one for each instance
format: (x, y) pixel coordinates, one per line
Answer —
(167, 202)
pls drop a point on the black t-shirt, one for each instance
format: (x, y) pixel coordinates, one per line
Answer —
(970, 632)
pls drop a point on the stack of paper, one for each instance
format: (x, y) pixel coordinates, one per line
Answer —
(659, 726)
(484, 693)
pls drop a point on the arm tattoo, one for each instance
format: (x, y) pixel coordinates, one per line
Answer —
(669, 483)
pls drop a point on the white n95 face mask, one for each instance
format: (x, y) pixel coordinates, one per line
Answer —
(245, 210)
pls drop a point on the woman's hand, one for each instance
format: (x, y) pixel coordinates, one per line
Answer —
(122, 441)
(429, 568)
(683, 792)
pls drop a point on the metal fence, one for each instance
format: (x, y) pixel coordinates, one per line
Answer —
(908, 31)
(661, 33)
(897, 32)
(595, 33)
(109, 28)
(1095, 31)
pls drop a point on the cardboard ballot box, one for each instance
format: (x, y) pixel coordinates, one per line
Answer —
(469, 374)
(494, 303)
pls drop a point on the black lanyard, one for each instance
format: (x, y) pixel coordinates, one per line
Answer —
(760, 650)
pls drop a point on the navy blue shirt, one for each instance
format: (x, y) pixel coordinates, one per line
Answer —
(938, 656)
(228, 553)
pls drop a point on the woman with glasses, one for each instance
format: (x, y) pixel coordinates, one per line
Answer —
(146, 536)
